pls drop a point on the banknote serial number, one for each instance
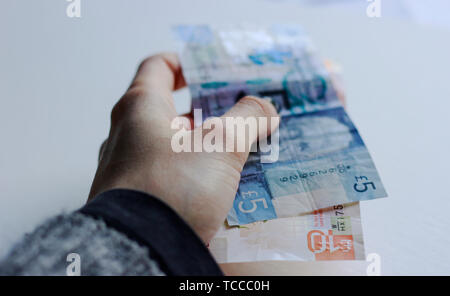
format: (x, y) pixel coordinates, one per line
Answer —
(338, 210)
(363, 184)
(340, 168)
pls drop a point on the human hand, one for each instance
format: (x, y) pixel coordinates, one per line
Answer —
(199, 186)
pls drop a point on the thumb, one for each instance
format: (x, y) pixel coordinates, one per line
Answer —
(249, 119)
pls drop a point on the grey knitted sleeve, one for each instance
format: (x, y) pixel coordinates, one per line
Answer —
(101, 249)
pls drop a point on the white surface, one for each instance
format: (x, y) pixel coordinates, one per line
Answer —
(431, 13)
(60, 77)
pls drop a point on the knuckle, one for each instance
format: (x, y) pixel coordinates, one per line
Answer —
(102, 149)
(136, 94)
(237, 160)
(130, 102)
(154, 59)
(261, 107)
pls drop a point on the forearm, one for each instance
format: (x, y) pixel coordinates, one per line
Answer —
(121, 232)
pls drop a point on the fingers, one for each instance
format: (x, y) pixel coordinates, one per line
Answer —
(253, 107)
(150, 94)
(161, 71)
(252, 118)
(336, 79)
(102, 150)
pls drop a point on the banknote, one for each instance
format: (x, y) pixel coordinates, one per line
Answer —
(322, 159)
(329, 234)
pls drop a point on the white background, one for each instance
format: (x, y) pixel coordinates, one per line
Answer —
(59, 78)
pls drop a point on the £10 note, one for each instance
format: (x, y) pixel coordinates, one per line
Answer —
(330, 234)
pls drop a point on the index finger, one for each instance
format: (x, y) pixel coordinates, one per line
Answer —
(161, 71)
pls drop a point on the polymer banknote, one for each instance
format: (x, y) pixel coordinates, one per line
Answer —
(329, 234)
(322, 159)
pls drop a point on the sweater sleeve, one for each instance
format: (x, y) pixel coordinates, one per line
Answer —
(120, 232)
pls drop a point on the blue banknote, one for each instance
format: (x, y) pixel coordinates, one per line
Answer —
(322, 159)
